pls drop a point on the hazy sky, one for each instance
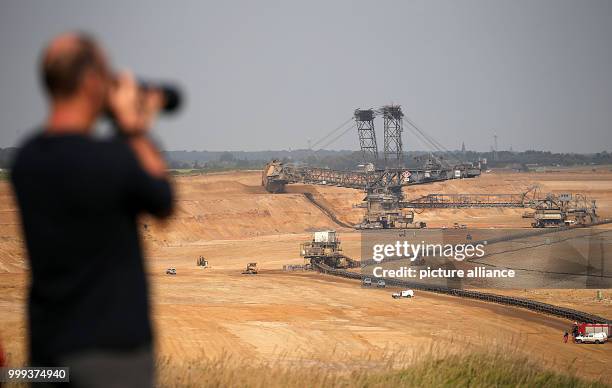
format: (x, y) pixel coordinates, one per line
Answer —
(272, 75)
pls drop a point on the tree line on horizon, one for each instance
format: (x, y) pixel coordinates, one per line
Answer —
(350, 160)
(347, 159)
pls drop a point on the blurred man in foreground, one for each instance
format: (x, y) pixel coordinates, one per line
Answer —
(79, 198)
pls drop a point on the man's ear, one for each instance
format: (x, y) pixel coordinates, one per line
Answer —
(93, 85)
(87, 83)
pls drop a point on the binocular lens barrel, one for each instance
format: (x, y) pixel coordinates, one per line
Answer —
(171, 94)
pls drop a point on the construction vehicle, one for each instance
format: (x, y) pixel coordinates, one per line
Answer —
(473, 170)
(586, 328)
(549, 211)
(383, 178)
(403, 294)
(564, 209)
(202, 262)
(381, 283)
(384, 212)
(548, 218)
(367, 282)
(325, 247)
(251, 269)
(274, 179)
(171, 271)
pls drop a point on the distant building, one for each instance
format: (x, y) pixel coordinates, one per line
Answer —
(463, 147)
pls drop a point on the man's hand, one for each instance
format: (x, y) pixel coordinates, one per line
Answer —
(134, 109)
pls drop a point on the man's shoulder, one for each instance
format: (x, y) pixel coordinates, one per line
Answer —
(25, 147)
(30, 139)
(40, 147)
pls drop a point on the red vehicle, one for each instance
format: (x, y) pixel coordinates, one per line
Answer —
(586, 328)
(2, 358)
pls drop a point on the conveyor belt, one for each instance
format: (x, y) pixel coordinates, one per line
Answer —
(562, 312)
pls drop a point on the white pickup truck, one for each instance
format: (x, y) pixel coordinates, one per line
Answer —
(592, 338)
(403, 294)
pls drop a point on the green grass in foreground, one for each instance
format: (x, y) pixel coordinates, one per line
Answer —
(475, 370)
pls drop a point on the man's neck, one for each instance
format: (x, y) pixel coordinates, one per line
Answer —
(69, 117)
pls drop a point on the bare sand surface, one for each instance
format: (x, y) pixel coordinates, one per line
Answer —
(306, 316)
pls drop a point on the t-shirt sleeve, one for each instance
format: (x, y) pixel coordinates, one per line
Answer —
(145, 192)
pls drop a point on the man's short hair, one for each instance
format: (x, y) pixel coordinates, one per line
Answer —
(62, 74)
